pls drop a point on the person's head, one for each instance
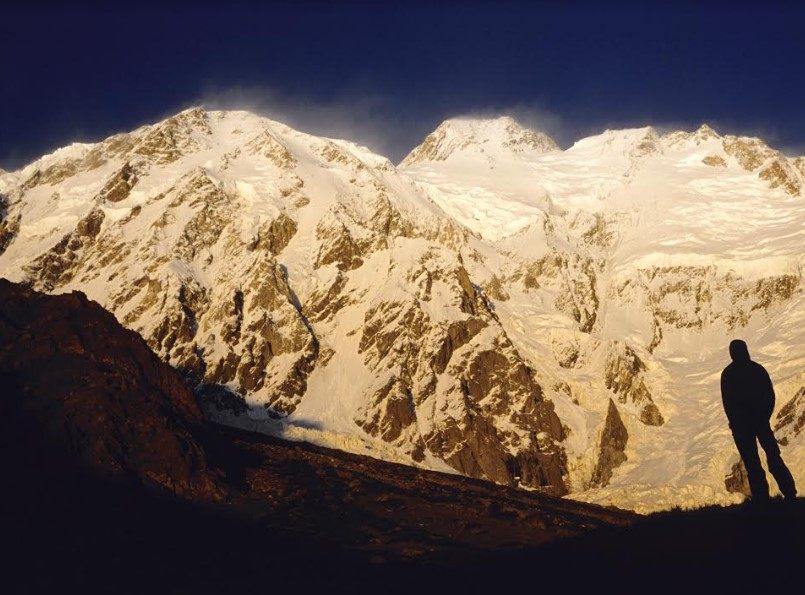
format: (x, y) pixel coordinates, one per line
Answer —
(739, 352)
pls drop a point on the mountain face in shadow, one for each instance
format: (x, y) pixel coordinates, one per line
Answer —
(80, 384)
(112, 471)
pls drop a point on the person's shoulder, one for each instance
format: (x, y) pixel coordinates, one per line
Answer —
(757, 366)
(727, 372)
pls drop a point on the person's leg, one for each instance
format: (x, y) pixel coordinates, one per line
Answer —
(775, 460)
(747, 448)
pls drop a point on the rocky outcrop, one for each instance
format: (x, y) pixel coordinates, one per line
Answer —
(574, 278)
(623, 375)
(99, 392)
(60, 264)
(565, 349)
(799, 164)
(119, 184)
(210, 206)
(95, 157)
(477, 408)
(337, 244)
(597, 231)
(737, 481)
(791, 418)
(266, 145)
(683, 139)
(611, 447)
(174, 138)
(772, 290)
(579, 298)
(682, 297)
(522, 140)
(780, 174)
(647, 145)
(498, 386)
(272, 236)
(325, 303)
(753, 154)
(494, 288)
(750, 153)
(9, 226)
(714, 161)
(390, 414)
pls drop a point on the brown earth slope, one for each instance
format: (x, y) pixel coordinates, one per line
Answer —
(88, 409)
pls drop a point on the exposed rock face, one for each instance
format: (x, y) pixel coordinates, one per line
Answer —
(611, 447)
(714, 161)
(60, 264)
(573, 277)
(118, 186)
(791, 417)
(737, 482)
(779, 174)
(489, 419)
(100, 392)
(174, 138)
(273, 236)
(680, 138)
(799, 164)
(647, 145)
(775, 169)
(682, 297)
(266, 145)
(750, 153)
(522, 140)
(579, 298)
(8, 227)
(566, 350)
(623, 376)
(337, 244)
(455, 136)
(89, 160)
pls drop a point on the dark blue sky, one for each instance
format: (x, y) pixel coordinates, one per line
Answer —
(386, 75)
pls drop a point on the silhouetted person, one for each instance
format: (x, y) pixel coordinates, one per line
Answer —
(748, 397)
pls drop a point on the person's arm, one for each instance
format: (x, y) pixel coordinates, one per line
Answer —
(768, 393)
(725, 397)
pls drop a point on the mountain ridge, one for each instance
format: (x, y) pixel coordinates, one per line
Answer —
(469, 316)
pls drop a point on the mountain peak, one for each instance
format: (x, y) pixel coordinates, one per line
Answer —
(627, 140)
(702, 134)
(706, 131)
(491, 137)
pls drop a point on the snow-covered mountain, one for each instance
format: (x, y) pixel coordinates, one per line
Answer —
(493, 306)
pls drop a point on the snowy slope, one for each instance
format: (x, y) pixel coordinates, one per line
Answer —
(676, 244)
(494, 306)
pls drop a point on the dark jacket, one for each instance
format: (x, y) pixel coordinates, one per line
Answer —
(747, 393)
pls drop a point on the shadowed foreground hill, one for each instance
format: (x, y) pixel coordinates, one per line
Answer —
(114, 482)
